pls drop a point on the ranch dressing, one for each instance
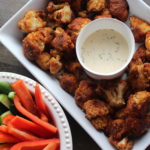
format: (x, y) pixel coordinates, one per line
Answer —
(105, 51)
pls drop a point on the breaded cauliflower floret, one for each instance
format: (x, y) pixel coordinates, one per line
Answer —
(138, 104)
(135, 126)
(119, 9)
(75, 27)
(95, 5)
(123, 144)
(95, 108)
(69, 82)
(139, 75)
(104, 14)
(116, 129)
(100, 123)
(55, 65)
(61, 13)
(32, 21)
(113, 91)
(43, 60)
(84, 92)
(147, 41)
(75, 68)
(140, 28)
(62, 40)
(34, 42)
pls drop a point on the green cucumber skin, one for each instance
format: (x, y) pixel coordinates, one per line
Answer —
(11, 95)
(5, 88)
(4, 100)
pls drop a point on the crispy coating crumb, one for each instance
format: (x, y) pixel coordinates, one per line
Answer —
(140, 28)
(147, 41)
(103, 16)
(113, 91)
(83, 14)
(100, 123)
(55, 65)
(34, 42)
(43, 60)
(55, 53)
(95, 108)
(119, 9)
(69, 83)
(123, 144)
(139, 71)
(75, 27)
(62, 40)
(121, 114)
(116, 129)
(84, 92)
(138, 104)
(135, 126)
(61, 13)
(32, 21)
(75, 68)
(95, 5)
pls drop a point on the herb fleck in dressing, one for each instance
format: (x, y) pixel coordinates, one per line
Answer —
(105, 51)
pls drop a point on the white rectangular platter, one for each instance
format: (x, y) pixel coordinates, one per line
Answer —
(11, 37)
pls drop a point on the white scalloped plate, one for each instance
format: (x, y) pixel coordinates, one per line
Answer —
(55, 109)
(11, 37)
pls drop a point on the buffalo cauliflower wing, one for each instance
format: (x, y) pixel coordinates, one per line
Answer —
(43, 60)
(32, 21)
(123, 144)
(34, 43)
(75, 27)
(113, 91)
(119, 9)
(84, 92)
(136, 126)
(62, 40)
(69, 83)
(140, 28)
(55, 65)
(138, 104)
(60, 13)
(95, 108)
(96, 5)
(147, 41)
(100, 123)
(104, 14)
(75, 68)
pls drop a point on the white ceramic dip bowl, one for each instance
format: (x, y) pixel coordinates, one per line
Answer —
(101, 24)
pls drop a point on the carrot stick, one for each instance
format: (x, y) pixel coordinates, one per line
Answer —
(3, 129)
(34, 145)
(52, 146)
(21, 135)
(39, 101)
(52, 129)
(25, 96)
(6, 119)
(5, 146)
(43, 116)
(6, 138)
(29, 126)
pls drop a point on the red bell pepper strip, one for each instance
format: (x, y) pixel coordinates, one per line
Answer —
(6, 138)
(29, 126)
(6, 119)
(21, 135)
(5, 146)
(39, 101)
(52, 129)
(3, 129)
(34, 145)
(53, 146)
(25, 96)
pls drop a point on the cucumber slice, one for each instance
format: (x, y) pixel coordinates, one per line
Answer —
(4, 100)
(3, 115)
(5, 88)
(11, 95)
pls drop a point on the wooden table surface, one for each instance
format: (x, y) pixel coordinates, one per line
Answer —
(8, 63)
